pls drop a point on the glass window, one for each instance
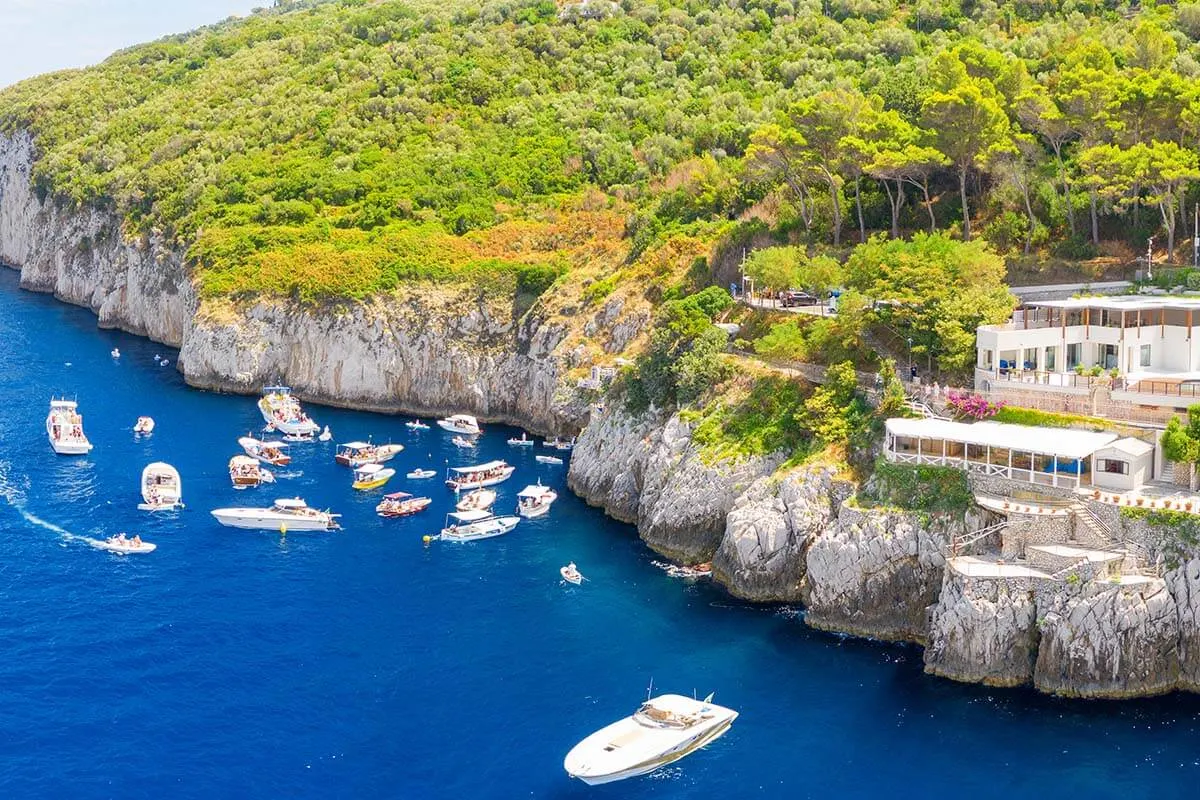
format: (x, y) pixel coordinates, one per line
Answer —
(1144, 360)
(1051, 352)
(1073, 355)
(1113, 466)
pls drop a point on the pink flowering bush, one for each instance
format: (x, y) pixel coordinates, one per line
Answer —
(973, 406)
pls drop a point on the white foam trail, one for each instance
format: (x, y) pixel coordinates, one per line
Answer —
(16, 498)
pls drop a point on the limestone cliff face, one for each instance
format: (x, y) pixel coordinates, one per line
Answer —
(1184, 586)
(1111, 641)
(873, 572)
(763, 553)
(983, 631)
(82, 256)
(424, 350)
(647, 471)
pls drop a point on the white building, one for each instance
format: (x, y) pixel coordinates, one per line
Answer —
(1058, 457)
(1151, 342)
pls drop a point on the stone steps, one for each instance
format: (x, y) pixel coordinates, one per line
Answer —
(1052, 558)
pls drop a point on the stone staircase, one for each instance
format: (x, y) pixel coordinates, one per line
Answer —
(1059, 560)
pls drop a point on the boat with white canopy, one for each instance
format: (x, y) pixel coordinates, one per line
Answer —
(460, 423)
(535, 500)
(401, 504)
(356, 454)
(64, 427)
(371, 476)
(274, 453)
(467, 526)
(162, 488)
(488, 474)
(663, 729)
(246, 473)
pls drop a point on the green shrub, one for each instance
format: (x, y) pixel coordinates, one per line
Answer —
(918, 488)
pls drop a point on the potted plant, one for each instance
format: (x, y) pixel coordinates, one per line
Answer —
(1139, 501)
(1187, 506)
(1096, 494)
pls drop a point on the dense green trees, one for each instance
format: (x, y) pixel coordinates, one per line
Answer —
(312, 130)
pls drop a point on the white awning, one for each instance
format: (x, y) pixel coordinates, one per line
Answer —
(470, 516)
(1058, 442)
(480, 467)
(1131, 447)
(536, 490)
(353, 445)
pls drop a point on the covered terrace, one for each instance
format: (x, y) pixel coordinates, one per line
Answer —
(1057, 457)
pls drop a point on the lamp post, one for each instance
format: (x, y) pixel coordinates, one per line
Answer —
(910, 358)
(1150, 259)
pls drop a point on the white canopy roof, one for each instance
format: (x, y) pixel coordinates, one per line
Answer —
(533, 490)
(291, 502)
(369, 469)
(1126, 302)
(1131, 447)
(474, 515)
(274, 444)
(1060, 442)
(480, 467)
(354, 445)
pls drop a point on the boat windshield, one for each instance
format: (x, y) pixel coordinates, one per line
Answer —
(650, 714)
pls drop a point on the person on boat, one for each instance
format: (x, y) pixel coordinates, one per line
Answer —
(137, 540)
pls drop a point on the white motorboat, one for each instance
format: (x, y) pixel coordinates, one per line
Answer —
(401, 504)
(524, 441)
(664, 729)
(459, 441)
(416, 425)
(64, 426)
(356, 454)
(467, 526)
(247, 473)
(535, 500)
(548, 459)
(565, 444)
(421, 474)
(325, 435)
(116, 353)
(489, 474)
(123, 545)
(280, 408)
(162, 488)
(460, 423)
(164, 363)
(571, 574)
(144, 425)
(273, 453)
(481, 499)
(371, 476)
(288, 514)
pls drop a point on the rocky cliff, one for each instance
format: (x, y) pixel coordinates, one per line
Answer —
(428, 349)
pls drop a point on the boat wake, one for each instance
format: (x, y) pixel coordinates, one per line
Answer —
(299, 473)
(13, 495)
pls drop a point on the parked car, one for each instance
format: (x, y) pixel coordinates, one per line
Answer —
(794, 298)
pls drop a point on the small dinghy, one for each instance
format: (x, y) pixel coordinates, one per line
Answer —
(479, 499)
(164, 363)
(416, 425)
(325, 435)
(247, 473)
(162, 489)
(524, 441)
(421, 474)
(371, 476)
(123, 545)
(459, 441)
(145, 425)
(570, 573)
(549, 460)
(115, 353)
(401, 504)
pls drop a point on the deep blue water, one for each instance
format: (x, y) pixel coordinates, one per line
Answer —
(364, 664)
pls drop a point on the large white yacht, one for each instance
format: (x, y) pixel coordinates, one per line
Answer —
(664, 729)
(288, 514)
(460, 423)
(64, 426)
(281, 410)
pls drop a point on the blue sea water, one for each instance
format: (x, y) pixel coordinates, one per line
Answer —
(365, 664)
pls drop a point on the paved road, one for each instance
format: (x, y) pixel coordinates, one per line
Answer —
(1061, 291)
(819, 310)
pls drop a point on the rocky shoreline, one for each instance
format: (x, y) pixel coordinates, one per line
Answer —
(798, 537)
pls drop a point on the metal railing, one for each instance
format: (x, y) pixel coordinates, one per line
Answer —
(1166, 388)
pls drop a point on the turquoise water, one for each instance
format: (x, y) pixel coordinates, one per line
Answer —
(364, 664)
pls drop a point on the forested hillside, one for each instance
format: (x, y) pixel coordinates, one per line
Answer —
(339, 148)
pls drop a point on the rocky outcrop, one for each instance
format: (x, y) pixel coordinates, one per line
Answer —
(649, 472)
(983, 630)
(427, 349)
(1183, 583)
(762, 556)
(873, 572)
(1110, 641)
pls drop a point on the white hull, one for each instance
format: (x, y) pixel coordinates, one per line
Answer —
(481, 482)
(484, 529)
(421, 474)
(453, 427)
(640, 744)
(548, 460)
(293, 428)
(262, 519)
(171, 506)
(125, 549)
(71, 448)
(533, 512)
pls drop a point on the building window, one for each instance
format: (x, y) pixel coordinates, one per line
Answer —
(1073, 355)
(1051, 352)
(1112, 466)
(1144, 358)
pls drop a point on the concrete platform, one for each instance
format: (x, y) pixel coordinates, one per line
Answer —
(974, 567)
(1053, 557)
